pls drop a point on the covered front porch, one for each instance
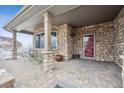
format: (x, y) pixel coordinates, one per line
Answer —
(68, 18)
(74, 73)
(68, 30)
(90, 32)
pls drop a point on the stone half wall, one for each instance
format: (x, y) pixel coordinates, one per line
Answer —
(119, 37)
(103, 40)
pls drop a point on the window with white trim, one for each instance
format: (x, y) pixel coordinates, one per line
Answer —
(39, 40)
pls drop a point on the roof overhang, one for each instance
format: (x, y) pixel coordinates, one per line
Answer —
(31, 16)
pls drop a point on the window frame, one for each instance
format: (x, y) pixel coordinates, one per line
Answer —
(35, 40)
(40, 35)
(56, 42)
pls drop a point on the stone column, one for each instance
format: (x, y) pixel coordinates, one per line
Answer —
(122, 73)
(48, 59)
(47, 31)
(14, 48)
(33, 42)
(47, 54)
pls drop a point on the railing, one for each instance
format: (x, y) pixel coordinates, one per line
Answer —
(35, 55)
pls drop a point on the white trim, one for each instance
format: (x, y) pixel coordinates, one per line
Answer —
(11, 24)
(57, 39)
(35, 38)
(18, 15)
(21, 13)
(38, 33)
(94, 46)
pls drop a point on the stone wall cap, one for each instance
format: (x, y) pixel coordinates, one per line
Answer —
(47, 52)
(13, 49)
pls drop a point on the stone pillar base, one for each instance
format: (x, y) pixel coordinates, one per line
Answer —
(14, 53)
(48, 60)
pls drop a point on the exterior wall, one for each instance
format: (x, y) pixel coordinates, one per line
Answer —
(69, 44)
(109, 39)
(119, 42)
(38, 30)
(103, 40)
(119, 37)
(64, 43)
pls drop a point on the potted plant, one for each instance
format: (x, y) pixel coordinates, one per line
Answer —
(59, 58)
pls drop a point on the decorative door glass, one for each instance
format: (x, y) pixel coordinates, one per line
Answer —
(88, 45)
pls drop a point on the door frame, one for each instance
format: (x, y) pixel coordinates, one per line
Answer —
(94, 46)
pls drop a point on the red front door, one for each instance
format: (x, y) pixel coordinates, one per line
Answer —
(88, 45)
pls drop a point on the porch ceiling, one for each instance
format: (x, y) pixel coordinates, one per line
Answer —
(88, 15)
(66, 14)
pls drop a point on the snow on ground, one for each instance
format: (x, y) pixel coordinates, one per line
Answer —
(4, 54)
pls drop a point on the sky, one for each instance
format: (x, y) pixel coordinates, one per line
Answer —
(6, 13)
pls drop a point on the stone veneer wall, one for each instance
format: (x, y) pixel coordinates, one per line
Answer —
(109, 39)
(65, 41)
(104, 40)
(69, 44)
(119, 37)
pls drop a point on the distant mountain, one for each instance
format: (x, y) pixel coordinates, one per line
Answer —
(6, 42)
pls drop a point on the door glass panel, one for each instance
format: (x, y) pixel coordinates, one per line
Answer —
(89, 45)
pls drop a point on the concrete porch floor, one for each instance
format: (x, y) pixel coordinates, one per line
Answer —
(73, 73)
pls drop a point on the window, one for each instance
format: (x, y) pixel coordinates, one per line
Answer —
(42, 40)
(53, 40)
(39, 40)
